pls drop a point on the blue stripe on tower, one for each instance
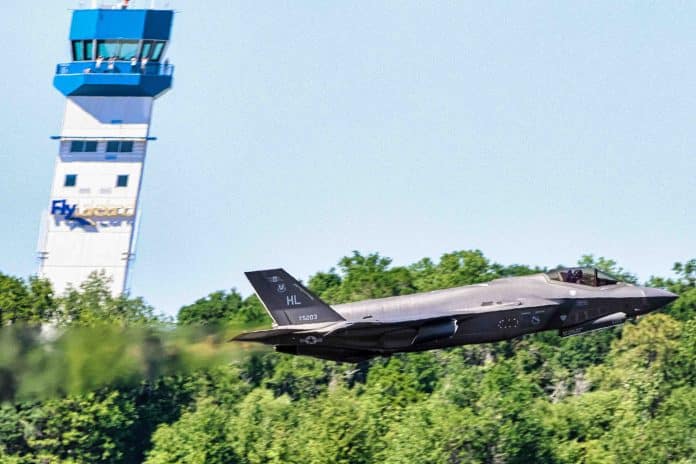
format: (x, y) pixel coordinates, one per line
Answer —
(121, 24)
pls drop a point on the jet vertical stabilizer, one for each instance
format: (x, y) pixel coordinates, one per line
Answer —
(287, 301)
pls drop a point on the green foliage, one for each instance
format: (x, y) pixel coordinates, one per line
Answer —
(198, 437)
(609, 266)
(611, 397)
(685, 281)
(683, 364)
(579, 426)
(13, 439)
(299, 377)
(333, 428)
(87, 429)
(263, 427)
(25, 302)
(221, 308)
(454, 270)
(670, 437)
(93, 304)
(32, 302)
(322, 283)
(435, 431)
(215, 308)
(361, 278)
(684, 285)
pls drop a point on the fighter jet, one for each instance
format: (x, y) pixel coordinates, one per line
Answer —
(572, 301)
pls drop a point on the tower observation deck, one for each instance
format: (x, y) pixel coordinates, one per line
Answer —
(117, 70)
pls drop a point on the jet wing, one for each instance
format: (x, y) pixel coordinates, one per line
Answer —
(460, 314)
(493, 306)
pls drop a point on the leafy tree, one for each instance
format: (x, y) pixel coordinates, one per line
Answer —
(435, 431)
(13, 437)
(323, 283)
(299, 377)
(574, 354)
(453, 270)
(514, 270)
(461, 380)
(365, 277)
(685, 281)
(263, 429)
(681, 366)
(640, 362)
(513, 410)
(91, 428)
(216, 308)
(609, 266)
(7, 459)
(14, 300)
(684, 285)
(221, 307)
(669, 437)
(332, 428)
(579, 426)
(199, 437)
(253, 313)
(93, 304)
(25, 302)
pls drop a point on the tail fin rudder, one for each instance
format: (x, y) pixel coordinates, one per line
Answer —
(287, 301)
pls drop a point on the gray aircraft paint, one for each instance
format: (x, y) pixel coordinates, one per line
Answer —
(498, 310)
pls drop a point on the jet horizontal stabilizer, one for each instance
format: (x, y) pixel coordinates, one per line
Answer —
(261, 335)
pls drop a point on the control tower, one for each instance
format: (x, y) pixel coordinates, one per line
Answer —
(117, 70)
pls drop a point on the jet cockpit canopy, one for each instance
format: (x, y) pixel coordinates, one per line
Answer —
(592, 277)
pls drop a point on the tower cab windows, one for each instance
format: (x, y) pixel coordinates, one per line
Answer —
(147, 49)
(152, 50)
(80, 146)
(119, 147)
(128, 50)
(121, 50)
(590, 277)
(83, 50)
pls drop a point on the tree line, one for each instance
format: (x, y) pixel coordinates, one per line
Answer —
(615, 396)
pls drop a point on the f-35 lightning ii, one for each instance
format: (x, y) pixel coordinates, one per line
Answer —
(572, 301)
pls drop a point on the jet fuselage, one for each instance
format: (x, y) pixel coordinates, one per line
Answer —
(498, 310)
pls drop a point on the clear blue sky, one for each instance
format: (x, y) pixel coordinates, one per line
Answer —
(298, 131)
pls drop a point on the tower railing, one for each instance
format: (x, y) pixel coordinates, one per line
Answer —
(115, 67)
(116, 4)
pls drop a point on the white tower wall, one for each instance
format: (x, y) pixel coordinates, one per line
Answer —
(70, 249)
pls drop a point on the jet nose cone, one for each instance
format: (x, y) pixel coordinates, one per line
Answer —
(657, 298)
